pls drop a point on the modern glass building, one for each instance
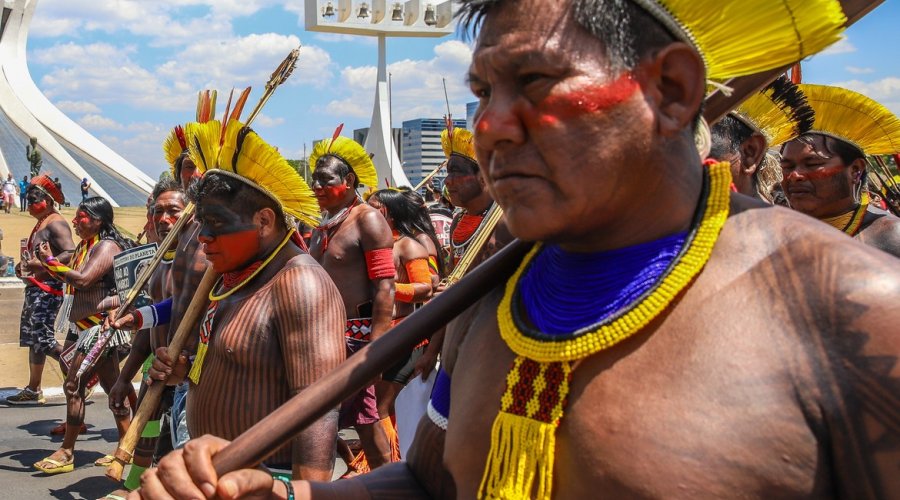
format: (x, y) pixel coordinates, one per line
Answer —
(421, 150)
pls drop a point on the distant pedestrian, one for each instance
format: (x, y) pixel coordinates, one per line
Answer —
(9, 192)
(23, 191)
(59, 186)
(85, 186)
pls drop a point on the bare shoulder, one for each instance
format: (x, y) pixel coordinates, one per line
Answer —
(458, 329)
(884, 234)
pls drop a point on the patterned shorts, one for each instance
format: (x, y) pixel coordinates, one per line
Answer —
(38, 315)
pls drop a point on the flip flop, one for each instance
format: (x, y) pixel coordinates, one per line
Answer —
(104, 461)
(60, 429)
(58, 467)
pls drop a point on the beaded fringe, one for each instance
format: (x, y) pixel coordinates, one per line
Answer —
(197, 367)
(522, 449)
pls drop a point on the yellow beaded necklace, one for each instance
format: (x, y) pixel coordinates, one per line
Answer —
(537, 385)
(851, 221)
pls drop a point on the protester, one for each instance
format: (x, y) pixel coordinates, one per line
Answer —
(743, 137)
(43, 293)
(353, 243)
(825, 171)
(90, 293)
(85, 188)
(663, 338)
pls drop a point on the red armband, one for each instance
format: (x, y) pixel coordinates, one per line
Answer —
(380, 263)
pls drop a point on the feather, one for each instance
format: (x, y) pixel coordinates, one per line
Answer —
(337, 133)
(854, 118)
(239, 105)
(351, 153)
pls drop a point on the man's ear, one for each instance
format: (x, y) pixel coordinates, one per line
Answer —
(350, 179)
(674, 80)
(857, 169)
(265, 218)
(753, 150)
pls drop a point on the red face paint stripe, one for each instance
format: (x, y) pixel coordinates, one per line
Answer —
(587, 100)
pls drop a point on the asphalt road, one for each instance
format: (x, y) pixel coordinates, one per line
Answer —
(24, 440)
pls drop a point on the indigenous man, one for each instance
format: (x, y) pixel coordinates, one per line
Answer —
(743, 137)
(665, 392)
(353, 243)
(275, 322)
(825, 170)
(43, 294)
(168, 203)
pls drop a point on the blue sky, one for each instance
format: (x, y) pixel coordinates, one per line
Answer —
(129, 70)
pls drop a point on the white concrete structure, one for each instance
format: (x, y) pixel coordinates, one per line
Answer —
(69, 152)
(415, 18)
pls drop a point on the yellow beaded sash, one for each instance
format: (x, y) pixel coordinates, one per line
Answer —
(523, 436)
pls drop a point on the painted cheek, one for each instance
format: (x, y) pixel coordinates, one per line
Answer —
(332, 193)
(584, 101)
(483, 126)
(824, 173)
(458, 180)
(231, 251)
(37, 207)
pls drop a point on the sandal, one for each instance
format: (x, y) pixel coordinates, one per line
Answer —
(115, 495)
(104, 461)
(60, 429)
(57, 466)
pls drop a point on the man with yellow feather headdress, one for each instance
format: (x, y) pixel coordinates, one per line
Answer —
(663, 338)
(274, 324)
(354, 244)
(825, 170)
(766, 120)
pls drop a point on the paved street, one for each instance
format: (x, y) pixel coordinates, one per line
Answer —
(24, 440)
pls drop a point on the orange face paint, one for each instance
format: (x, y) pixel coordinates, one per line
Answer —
(231, 251)
(329, 195)
(37, 207)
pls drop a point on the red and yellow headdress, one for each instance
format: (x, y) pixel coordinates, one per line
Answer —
(780, 112)
(44, 183)
(854, 118)
(458, 141)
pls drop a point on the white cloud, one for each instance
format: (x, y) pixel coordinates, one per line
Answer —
(265, 121)
(886, 91)
(98, 122)
(417, 86)
(859, 71)
(77, 107)
(842, 46)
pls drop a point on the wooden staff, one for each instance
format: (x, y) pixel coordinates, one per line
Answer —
(429, 176)
(152, 396)
(270, 434)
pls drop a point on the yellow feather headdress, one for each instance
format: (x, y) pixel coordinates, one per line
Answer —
(854, 118)
(351, 152)
(244, 155)
(780, 112)
(458, 141)
(742, 37)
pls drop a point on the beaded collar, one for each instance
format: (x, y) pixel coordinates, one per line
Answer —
(523, 436)
(851, 221)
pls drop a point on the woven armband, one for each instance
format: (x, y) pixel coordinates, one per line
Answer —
(55, 267)
(155, 314)
(380, 263)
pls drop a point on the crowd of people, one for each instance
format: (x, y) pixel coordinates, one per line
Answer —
(668, 330)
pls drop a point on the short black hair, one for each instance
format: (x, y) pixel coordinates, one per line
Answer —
(727, 136)
(343, 168)
(627, 31)
(166, 184)
(245, 199)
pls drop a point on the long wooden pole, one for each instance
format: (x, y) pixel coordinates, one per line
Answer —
(269, 434)
(152, 396)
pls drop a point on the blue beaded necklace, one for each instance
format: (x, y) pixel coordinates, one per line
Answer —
(564, 292)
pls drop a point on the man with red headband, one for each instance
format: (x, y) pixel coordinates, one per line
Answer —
(354, 244)
(43, 294)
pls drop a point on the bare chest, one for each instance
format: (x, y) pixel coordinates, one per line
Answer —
(700, 404)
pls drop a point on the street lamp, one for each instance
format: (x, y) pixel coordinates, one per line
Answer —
(419, 19)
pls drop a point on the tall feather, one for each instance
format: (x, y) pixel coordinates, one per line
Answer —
(337, 133)
(239, 105)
